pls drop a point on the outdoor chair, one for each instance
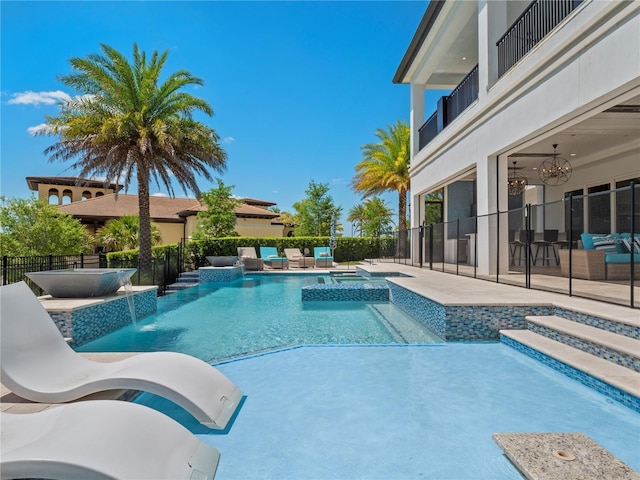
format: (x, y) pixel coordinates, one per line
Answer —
(547, 243)
(271, 258)
(37, 364)
(323, 257)
(249, 258)
(295, 257)
(102, 439)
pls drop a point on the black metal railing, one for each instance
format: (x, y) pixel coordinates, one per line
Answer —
(450, 107)
(428, 131)
(463, 95)
(532, 244)
(539, 18)
(14, 268)
(166, 268)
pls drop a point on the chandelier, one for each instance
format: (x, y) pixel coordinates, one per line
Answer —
(516, 182)
(555, 170)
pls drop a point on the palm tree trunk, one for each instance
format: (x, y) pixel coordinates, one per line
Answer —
(402, 223)
(144, 238)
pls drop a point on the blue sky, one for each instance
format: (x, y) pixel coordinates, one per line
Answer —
(297, 87)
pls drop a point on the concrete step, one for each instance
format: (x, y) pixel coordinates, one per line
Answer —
(614, 347)
(622, 378)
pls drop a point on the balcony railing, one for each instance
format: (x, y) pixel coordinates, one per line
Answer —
(450, 107)
(540, 17)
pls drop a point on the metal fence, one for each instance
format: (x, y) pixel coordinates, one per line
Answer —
(536, 246)
(166, 268)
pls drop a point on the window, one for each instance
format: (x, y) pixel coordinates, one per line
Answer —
(599, 209)
(574, 212)
(623, 205)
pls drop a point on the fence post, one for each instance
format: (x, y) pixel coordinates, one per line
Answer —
(527, 244)
(570, 243)
(420, 243)
(5, 269)
(457, 246)
(431, 246)
(81, 260)
(50, 262)
(632, 268)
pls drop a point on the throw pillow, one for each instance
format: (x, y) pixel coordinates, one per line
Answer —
(324, 254)
(606, 243)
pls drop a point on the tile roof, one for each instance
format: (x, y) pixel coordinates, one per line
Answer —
(161, 208)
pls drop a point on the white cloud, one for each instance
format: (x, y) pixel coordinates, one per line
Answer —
(337, 181)
(159, 194)
(229, 140)
(43, 128)
(274, 191)
(37, 98)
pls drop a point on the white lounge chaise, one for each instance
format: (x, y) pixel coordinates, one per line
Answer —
(37, 364)
(102, 439)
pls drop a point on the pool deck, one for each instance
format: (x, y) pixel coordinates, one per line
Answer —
(449, 289)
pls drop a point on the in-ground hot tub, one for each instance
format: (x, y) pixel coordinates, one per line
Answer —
(82, 282)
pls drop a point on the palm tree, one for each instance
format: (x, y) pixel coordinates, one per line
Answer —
(124, 233)
(385, 167)
(357, 216)
(127, 124)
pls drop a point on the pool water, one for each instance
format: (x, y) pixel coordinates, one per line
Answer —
(372, 395)
(255, 314)
(400, 412)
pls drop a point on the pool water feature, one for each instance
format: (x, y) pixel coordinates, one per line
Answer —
(258, 313)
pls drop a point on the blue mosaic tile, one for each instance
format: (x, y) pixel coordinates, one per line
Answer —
(586, 346)
(85, 324)
(426, 311)
(220, 274)
(364, 292)
(610, 391)
(608, 325)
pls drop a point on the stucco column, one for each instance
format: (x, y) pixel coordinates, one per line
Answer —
(492, 24)
(416, 117)
(487, 204)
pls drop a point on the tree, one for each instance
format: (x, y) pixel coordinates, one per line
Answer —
(385, 167)
(219, 219)
(357, 217)
(124, 233)
(377, 218)
(32, 227)
(313, 214)
(127, 124)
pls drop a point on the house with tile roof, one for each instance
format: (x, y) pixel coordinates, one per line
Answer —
(94, 202)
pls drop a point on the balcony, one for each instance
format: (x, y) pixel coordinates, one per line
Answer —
(450, 107)
(539, 18)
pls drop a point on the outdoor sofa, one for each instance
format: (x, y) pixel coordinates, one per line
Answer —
(602, 257)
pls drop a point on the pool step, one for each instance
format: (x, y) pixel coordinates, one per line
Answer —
(603, 353)
(607, 372)
(602, 343)
(185, 280)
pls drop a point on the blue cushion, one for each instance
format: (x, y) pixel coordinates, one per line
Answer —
(587, 241)
(620, 258)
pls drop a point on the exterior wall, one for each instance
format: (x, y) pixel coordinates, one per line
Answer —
(171, 232)
(258, 227)
(580, 69)
(75, 194)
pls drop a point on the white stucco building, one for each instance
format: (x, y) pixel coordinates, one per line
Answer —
(519, 77)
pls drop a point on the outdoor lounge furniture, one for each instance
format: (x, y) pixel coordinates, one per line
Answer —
(295, 257)
(271, 258)
(102, 439)
(37, 364)
(323, 257)
(249, 258)
(601, 258)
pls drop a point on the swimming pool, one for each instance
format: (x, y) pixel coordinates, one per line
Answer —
(216, 321)
(373, 407)
(400, 412)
